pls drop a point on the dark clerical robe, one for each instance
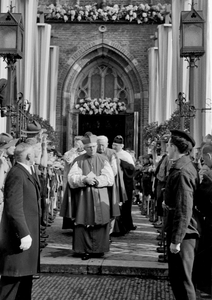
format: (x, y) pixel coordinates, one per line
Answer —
(90, 205)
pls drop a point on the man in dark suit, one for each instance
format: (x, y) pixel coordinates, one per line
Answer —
(19, 229)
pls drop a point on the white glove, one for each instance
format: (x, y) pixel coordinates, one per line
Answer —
(26, 242)
(175, 248)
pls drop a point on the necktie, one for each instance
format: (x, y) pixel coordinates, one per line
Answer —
(32, 170)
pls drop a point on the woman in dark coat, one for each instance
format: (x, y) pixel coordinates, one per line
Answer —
(19, 229)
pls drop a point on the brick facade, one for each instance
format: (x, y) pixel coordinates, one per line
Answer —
(81, 43)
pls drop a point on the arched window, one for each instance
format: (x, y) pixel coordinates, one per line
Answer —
(103, 81)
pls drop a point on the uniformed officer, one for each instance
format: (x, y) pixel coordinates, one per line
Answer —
(181, 227)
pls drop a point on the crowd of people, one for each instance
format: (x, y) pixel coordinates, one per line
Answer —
(31, 178)
(173, 189)
(92, 187)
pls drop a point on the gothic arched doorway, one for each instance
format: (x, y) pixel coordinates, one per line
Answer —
(106, 74)
(101, 80)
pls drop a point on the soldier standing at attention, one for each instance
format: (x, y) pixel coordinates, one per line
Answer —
(181, 228)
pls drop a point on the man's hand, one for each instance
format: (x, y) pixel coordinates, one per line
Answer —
(175, 248)
(26, 243)
(164, 206)
(90, 181)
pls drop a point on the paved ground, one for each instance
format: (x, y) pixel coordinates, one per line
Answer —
(129, 271)
(132, 254)
(90, 287)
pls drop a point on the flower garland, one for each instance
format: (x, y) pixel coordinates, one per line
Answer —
(100, 106)
(142, 13)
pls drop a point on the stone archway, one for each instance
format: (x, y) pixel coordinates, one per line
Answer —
(94, 51)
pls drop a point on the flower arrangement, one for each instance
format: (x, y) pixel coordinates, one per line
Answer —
(141, 13)
(100, 106)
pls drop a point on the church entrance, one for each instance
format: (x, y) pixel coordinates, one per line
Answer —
(110, 126)
(106, 80)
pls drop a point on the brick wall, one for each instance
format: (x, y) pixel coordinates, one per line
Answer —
(74, 39)
(131, 38)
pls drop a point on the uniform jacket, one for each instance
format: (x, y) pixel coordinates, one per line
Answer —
(20, 218)
(180, 188)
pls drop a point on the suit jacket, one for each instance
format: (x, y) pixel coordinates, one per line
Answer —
(204, 195)
(20, 218)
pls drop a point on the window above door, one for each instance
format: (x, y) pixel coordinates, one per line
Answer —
(103, 81)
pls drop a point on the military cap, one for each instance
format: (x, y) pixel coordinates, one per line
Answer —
(183, 134)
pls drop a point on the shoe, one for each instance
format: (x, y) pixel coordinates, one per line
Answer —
(158, 225)
(86, 256)
(162, 258)
(160, 249)
(43, 244)
(44, 224)
(44, 236)
(133, 227)
(205, 296)
(159, 237)
(42, 240)
(35, 276)
(155, 223)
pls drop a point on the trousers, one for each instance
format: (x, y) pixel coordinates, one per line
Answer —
(181, 270)
(15, 288)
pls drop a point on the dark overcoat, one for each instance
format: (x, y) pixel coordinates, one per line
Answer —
(20, 218)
